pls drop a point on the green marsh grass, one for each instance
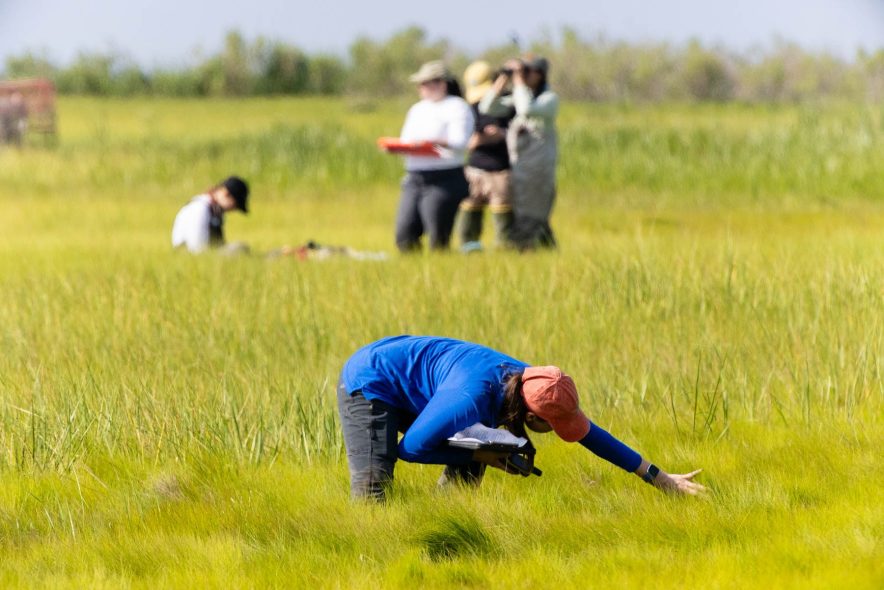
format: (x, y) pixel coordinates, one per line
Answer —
(169, 420)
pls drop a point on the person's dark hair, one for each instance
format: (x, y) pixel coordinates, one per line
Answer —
(512, 414)
(542, 86)
(452, 87)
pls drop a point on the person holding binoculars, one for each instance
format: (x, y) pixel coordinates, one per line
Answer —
(532, 142)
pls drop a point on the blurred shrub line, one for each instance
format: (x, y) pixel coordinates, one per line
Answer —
(596, 69)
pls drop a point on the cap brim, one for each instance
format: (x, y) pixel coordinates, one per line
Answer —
(419, 78)
(571, 428)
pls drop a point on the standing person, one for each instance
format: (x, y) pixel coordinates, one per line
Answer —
(199, 225)
(433, 186)
(533, 147)
(13, 119)
(488, 166)
(430, 388)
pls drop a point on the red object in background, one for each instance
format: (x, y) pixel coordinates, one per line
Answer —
(39, 97)
(394, 145)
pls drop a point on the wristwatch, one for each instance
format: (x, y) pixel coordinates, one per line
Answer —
(651, 474)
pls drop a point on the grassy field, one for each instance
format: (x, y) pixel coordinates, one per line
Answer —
(168, 420)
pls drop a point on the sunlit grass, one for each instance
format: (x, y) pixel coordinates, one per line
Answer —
(168, 420)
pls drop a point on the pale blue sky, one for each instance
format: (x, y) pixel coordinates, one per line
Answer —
(166, 32)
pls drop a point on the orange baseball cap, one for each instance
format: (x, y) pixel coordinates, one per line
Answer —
(552, 395)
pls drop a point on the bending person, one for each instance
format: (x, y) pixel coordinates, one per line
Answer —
(433, 186)
(430, 388)
(199, 225)
(533, 147)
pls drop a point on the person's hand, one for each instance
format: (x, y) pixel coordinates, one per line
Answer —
(518, 69)
(492, 131)
(494, 459)
(515, 65)
(679, 483)
(500, 83)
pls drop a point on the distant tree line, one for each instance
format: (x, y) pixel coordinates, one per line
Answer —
(582, 69)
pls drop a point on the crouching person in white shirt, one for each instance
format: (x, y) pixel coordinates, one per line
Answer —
(199, 225)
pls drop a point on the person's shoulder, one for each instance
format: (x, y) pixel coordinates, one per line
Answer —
(458, 105)
(201, 201)
(198, 205)
(456, 102)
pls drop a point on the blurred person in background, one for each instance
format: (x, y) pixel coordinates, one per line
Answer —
(433, 186)
(199, 225)
(13, 119)
(430, 388)
(533, 146)
(488, 166)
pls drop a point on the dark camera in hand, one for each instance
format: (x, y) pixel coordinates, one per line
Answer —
(522, 464)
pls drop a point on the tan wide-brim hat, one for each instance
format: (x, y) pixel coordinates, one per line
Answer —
(477, 80)
(432, 70)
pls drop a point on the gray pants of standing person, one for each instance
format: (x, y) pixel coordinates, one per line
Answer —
(530, 232)
(533, 156)
(534, 193)
(371, 435)
(428, 204)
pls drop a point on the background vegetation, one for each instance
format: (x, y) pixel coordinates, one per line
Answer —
(167, 420)
(596, 69)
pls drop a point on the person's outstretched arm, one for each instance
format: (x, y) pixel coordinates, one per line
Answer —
(671, 482)
(606, 446)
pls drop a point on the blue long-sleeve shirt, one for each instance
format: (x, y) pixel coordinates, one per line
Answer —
(446, 384)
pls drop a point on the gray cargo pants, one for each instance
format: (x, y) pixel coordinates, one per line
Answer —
(371, 434)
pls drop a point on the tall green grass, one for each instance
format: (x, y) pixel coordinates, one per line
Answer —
(168, 420)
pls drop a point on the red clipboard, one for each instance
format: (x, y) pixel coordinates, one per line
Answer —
(394, 145)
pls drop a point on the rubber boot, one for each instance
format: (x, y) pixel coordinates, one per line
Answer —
(503, 228)
(547, 238)
(470, 226)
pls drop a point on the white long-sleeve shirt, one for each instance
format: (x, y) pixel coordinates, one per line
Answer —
(192, 227)
(449, 120)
